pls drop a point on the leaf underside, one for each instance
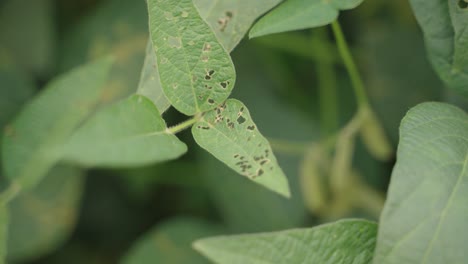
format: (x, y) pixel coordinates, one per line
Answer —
(300, 14)
(229, 133)
(444, 25)
(128, 133)
(342, 242)
(196, 72)
(424, 219)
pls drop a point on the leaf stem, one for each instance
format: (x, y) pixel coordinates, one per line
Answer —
(10, 193)
(184, 125)
(350, 65)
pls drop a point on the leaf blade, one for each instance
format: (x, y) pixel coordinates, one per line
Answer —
(422, 220)
(346, 241)
(196, 72)
(32, 143)
(300, 14)
(230, 135)
(128, 133)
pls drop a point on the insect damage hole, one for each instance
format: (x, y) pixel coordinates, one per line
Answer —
(209, 74)
(241, 120)
(206, 47)
(223, 21)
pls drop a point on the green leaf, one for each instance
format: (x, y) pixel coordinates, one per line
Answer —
(196, 72)
(230, 135)
(127, 133)
(44, 217)
(32, 143)
(342, 242)
(444, 23)
(424, 219)
(300, 14)
(4, 220)
(231, 19)
(150, 85)
(170, 242)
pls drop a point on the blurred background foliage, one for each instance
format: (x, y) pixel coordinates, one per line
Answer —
(98, 216)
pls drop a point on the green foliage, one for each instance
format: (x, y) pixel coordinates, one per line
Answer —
(325, 107)
(171, 242)
(423, 220)
(444, 24)
(230, 20)
(150, 85)
(347, 241)
(127, 133)
(229, 133)
(43, 218)
(196, 72)
(300, 14)
(32, 142)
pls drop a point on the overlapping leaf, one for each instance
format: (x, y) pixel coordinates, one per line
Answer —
(196, 72)
(300, 14)
(424, 219)
(342, 242)
(229, 133)
(150, 85)
(32, 142)
(128, 133)
(231, 19)
(444, 25)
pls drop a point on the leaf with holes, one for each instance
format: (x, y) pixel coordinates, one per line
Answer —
(128, 133)
(229, 133)
(32, 143)
(444, 25)
(342, 242)
(196, 72)
(150, 85)
(424, 219)
(4, 220)
(231, 19)
(300, 14)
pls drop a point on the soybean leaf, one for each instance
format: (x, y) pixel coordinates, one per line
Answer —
(231, 19)
(300, 14)
(44, 217)
(230, 135)
(424, 219)
(342, 242)
(4, 221)
(150, 85)
(196, 72)
(127, 133)
(170, 242)
(444, 23)
(32, 142)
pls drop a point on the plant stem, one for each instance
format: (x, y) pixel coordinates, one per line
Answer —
(356, 80)
(184, 125)
(9, 193)
(327, 85)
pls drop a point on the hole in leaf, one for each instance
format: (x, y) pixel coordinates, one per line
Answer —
(251, 127)
(211, 101)
(240, 120)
